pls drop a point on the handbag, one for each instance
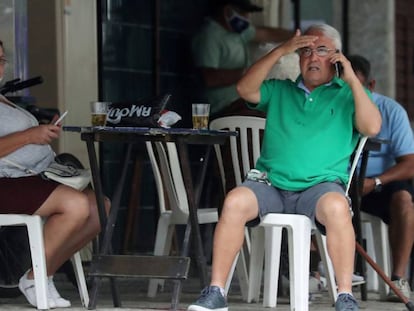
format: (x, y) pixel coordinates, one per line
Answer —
(64, 174)
(67, 175)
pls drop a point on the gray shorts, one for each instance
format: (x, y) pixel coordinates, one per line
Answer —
(275, 200)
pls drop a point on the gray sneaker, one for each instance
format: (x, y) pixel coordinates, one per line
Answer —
(403, 286)
(210, 299)
(346, 302)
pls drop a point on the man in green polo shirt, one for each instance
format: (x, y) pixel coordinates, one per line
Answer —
(312, 128)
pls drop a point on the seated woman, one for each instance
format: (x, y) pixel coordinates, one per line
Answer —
(71, 216)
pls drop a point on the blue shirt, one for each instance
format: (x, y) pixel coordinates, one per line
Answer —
(395, 128)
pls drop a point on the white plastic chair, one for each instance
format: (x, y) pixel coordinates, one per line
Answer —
(298, 239)
(169, 182)
(377, 243)
(299, 227)
(34, 226)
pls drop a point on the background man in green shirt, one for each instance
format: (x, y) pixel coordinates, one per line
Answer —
(222, 53)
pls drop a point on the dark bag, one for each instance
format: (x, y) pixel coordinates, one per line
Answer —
(141, 113)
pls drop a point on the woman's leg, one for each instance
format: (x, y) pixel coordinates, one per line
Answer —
(72, 221)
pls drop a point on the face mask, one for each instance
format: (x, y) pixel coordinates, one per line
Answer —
(237, 22)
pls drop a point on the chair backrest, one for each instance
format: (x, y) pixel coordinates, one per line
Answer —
(245, 148)
(168, 177)
(355, 161)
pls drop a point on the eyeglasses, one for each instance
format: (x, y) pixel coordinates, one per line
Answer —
(320, 51)
(3, 61)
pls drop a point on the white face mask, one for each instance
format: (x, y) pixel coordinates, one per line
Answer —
(237, 22)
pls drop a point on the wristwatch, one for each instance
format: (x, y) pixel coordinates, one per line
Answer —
(378, 184)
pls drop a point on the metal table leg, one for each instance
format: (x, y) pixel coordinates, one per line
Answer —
(107, 223)
(192, 228)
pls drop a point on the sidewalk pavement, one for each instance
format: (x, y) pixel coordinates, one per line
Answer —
(133, 297)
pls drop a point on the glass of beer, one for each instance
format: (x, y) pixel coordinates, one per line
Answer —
(200, 116)
(99, 111)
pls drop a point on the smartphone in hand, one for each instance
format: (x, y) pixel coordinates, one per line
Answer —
(338, 67)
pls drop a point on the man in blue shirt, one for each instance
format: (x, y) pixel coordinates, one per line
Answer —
(388, 190)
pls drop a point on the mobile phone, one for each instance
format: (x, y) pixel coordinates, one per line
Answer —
(61, 118)
(338, 69)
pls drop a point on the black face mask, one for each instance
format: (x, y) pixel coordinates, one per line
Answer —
(237, 22)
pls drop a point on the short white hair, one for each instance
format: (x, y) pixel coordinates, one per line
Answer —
(329, 32)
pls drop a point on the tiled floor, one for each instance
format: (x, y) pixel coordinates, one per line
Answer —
(133, 297)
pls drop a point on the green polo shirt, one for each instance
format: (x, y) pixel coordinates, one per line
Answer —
(216, 47)
(308, 138)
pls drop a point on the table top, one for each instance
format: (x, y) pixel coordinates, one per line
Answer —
(148, 130)
(136, 134)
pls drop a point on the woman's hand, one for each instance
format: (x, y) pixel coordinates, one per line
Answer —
(43, 134)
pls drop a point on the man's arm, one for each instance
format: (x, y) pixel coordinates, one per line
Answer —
(217, 77)
(249, 85)
(402, 170)
(367, 115)
(269, 34)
